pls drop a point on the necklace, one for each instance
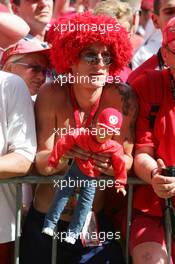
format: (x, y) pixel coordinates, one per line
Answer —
(77, 116)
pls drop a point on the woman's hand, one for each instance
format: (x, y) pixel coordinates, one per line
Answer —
(162, 185)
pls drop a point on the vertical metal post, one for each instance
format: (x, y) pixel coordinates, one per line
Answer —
(168, 228)
(54, 247)
(18, 221)
(129, 216)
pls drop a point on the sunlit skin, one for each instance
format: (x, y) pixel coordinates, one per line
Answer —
(167, 11)
(103, 134)
(33, 80)
(37, 14)
(95, 74)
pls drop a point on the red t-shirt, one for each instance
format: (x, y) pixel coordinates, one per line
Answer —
(150, 64)
(161, 137)
(87, 142)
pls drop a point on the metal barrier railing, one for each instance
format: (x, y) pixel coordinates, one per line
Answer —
(48, 179)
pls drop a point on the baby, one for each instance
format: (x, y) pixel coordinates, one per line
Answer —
(94, 141)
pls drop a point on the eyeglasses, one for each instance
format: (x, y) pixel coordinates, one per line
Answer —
(93, 59)
(36, 68)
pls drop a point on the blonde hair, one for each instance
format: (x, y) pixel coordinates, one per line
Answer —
(116, 9)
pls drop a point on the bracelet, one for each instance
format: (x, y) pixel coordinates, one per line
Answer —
(153, 172)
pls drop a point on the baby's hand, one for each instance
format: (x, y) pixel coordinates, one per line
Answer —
(122, 190)
(63, 160)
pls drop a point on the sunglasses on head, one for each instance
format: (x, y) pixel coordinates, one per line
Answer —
(36, 68)
(93, 59)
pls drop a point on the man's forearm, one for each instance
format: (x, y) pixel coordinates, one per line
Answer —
(42, 164)
(143, 165)
(128, 161)
(14, 164)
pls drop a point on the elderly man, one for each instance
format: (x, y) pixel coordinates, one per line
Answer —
(18, 140)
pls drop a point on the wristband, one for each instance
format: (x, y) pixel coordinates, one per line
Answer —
(153, 172)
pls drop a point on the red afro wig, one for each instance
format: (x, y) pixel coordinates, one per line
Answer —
(71, 36)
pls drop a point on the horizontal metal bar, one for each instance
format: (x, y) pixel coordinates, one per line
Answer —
(50, 179)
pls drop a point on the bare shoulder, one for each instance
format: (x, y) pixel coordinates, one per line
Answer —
(50, 100)
(50, 96)
(127, 98)
(124, 98)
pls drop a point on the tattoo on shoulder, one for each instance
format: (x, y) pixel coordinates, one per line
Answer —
(128, 98)
(133, 123)
(129, 109)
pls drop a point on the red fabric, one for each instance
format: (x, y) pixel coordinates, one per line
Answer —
(169, 34)
(150, 64)
(141, 228)
(88, 143)
(159, 138)
(68, 40)
(147, 4)
(125, 73)
(23, 47)
(110, 118)
(6, 253)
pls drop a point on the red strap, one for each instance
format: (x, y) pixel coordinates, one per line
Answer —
(76, 110)
(155, 86)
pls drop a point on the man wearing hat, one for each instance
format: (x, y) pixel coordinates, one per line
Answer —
(18, 139)
(154, 151)
(30, 61)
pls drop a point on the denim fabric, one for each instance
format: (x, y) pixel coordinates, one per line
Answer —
(36, 247)
(84, 203)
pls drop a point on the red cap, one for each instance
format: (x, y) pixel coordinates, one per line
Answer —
(147, 4)
(169, 34)
(23, 47)
(110, 118)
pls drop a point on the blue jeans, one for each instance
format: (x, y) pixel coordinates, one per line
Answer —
(84, 202)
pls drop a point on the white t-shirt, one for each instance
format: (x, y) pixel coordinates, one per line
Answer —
(17, 134)
(151, 45)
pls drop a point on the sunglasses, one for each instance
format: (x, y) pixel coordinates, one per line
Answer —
(93, 59)
(36, 68)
